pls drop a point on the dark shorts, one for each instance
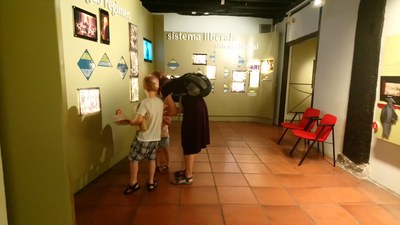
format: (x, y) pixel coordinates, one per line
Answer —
(143, 149)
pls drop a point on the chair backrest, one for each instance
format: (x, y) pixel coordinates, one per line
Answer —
(310, 112)
(327, 123)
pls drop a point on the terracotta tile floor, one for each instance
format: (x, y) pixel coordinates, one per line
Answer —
(243, 177)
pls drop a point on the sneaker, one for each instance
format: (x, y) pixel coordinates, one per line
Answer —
(182, 180)
(131, 188)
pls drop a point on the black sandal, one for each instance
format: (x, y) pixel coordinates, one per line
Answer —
(179, 173)
(132, 188)
(151, 187)
(182, 180)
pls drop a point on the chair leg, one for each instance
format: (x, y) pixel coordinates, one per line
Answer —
(280, 139)
(295, 145)
(333, 146)
(305, 154)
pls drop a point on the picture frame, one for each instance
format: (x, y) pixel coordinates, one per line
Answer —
(104, 26)
(134, 89)
(239, 75)
(390, 87)
(133, 50)
(89, 100)
(199, 59)
(211, 72)
(85, 24)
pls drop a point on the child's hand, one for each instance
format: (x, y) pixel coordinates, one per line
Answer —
(123, 122)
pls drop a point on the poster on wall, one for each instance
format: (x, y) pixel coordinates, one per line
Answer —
(226, 88)
(238, 87)
(122, 67)
(105, 61)
(212, 57)
(239, 75)
(240, 61)
(173, 64)
(133, 50)
(211, 72)
(86, 64)
(254, 80)
(104, 27)
(199, 59)
(134, 96)
(89, 100)
(85, 24)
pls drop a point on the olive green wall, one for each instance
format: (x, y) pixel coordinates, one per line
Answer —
(32, 115)
(229, 106)
(49, 152)
(94, 142)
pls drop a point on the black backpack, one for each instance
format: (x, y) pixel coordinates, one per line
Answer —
(193, 84)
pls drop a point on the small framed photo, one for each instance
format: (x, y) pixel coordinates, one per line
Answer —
(104, 27)
(211, 72)
(390, 87)
(199, 59)
(134, 96)
(85, 24)
(239, 76)
(238, 87)
(89, 100)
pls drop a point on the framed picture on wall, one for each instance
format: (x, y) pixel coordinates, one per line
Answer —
(239, 75)
(199, 59)
(89, 100)
(390, 87)
(85, 24)
(134, 96)
(104, 27)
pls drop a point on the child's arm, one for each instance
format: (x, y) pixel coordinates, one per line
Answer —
(167, 120)
(137, 120)
(171, 109)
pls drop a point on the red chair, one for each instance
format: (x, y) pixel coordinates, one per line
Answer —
(307, 121)
(324, 129)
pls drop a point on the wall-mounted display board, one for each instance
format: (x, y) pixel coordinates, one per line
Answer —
(89, 100)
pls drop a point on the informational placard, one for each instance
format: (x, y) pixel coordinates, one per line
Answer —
(105, 61)
(122, 67)
(89, 100)
(86, 64)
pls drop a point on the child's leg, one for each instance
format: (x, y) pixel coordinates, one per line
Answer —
(152, 170)
(166, 155)
(133, 169)
(158, 157)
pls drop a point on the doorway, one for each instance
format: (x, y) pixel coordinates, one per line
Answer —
(297, 91)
